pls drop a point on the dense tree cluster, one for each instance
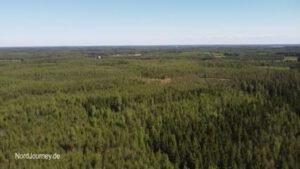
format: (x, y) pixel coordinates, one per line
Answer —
(151, 111)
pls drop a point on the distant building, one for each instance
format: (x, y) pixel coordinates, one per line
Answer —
(137, 54)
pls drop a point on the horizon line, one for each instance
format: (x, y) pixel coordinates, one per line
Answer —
(153, 45)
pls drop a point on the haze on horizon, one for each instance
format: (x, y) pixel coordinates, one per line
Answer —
(141, 22)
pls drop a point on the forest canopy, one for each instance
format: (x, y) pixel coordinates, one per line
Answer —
(151, 107)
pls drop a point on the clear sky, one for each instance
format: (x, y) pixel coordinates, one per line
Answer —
(148, 22)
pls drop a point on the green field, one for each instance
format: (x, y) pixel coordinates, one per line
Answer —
(290, 59)
(150, 107)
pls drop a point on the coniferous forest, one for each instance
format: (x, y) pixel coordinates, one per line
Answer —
(159, 107)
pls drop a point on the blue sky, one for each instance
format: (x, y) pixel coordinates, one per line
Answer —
(148, 22)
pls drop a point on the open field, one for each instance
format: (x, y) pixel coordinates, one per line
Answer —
(151, 107)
